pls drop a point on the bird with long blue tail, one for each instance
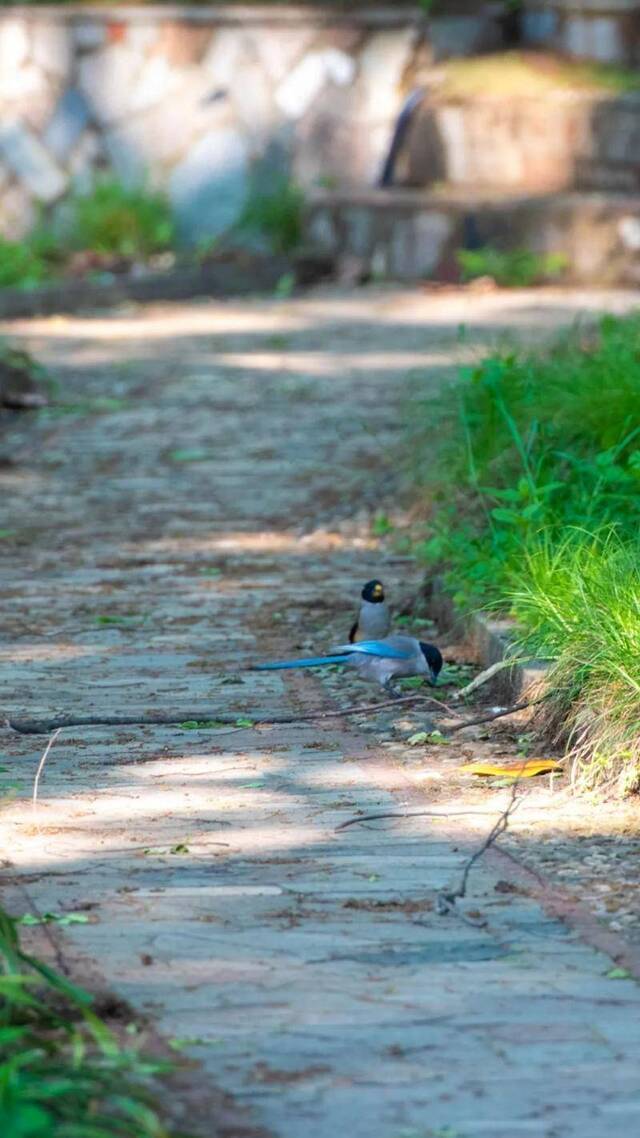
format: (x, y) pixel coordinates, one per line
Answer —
(378, 661)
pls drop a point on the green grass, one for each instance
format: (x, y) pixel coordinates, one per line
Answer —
(63, 1074)
(578, 603)
(532, 464)
(276, 215)
(119, 220)
(517, 268)
(112, 220)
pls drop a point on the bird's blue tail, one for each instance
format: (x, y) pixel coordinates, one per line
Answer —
(309, 662)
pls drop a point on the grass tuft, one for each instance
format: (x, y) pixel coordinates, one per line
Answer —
(63, 1073)
(533, 462)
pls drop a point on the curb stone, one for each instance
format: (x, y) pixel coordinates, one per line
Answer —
(491, 640)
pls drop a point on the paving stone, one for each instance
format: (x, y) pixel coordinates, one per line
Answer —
(307, 967)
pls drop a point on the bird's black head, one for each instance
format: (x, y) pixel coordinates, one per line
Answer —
(373, 592)
(433, 657)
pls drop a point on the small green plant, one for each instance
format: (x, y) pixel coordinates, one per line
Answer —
(27, 263)
(62, 1071)
(576, 601)
(516, 268)
(532, 465)
(119, 220)
(276, 215)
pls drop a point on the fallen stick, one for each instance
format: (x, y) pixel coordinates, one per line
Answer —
(161, 718)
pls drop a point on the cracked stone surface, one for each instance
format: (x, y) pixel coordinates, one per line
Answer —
(202, 497)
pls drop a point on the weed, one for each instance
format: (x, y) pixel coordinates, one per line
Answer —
(517, 268)
(533, 463)
(62, 1071)
(382, 525)
(276, 215)
(119, 220)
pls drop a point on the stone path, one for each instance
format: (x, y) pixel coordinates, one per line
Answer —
(203, 498)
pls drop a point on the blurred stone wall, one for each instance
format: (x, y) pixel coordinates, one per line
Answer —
(604, 31)
(204, 101)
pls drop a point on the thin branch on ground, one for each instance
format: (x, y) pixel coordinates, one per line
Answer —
(36, 781)
(445, 901)
(491, 715)
(412, 814)
(168, 719)
(489, 673)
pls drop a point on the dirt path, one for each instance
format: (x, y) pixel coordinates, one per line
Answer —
(203, 498)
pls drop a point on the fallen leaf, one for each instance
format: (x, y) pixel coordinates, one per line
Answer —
(528, 769)
(619, 974)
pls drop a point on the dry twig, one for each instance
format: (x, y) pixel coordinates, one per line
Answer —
(36, 781)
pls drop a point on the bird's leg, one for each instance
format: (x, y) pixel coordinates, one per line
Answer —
(390, 690)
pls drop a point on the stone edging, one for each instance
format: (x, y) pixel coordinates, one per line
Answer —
(369, 16)
(217, 280)
(491, 639)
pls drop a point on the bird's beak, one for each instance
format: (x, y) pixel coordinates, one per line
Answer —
(378, 591)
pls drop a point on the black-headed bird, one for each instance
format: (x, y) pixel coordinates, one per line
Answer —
(374, 619)
(379, 661)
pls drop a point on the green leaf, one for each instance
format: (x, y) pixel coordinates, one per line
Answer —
(244, 723)
(190, 454)
(180, 848)
(619, 974)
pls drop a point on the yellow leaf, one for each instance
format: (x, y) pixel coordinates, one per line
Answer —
(529, 768)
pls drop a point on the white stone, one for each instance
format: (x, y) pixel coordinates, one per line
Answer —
(252, 99)
(17, 213)
(225, 57)
(21, 82)
(281, 48)
(140, 37)
(107, 77)
(14, 43)
(629, 230)
(576, 36)
(431, 231)
(208, 189)
(381, 68)
(51, 47)
(297, 92)
(605, 40)
(157, 80)
(31, 163)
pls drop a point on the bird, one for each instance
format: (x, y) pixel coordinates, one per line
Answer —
(374, 619)
(379, 661)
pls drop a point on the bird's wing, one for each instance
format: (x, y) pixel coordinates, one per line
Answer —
(309, 662)
(376, 648)
(353, 632)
